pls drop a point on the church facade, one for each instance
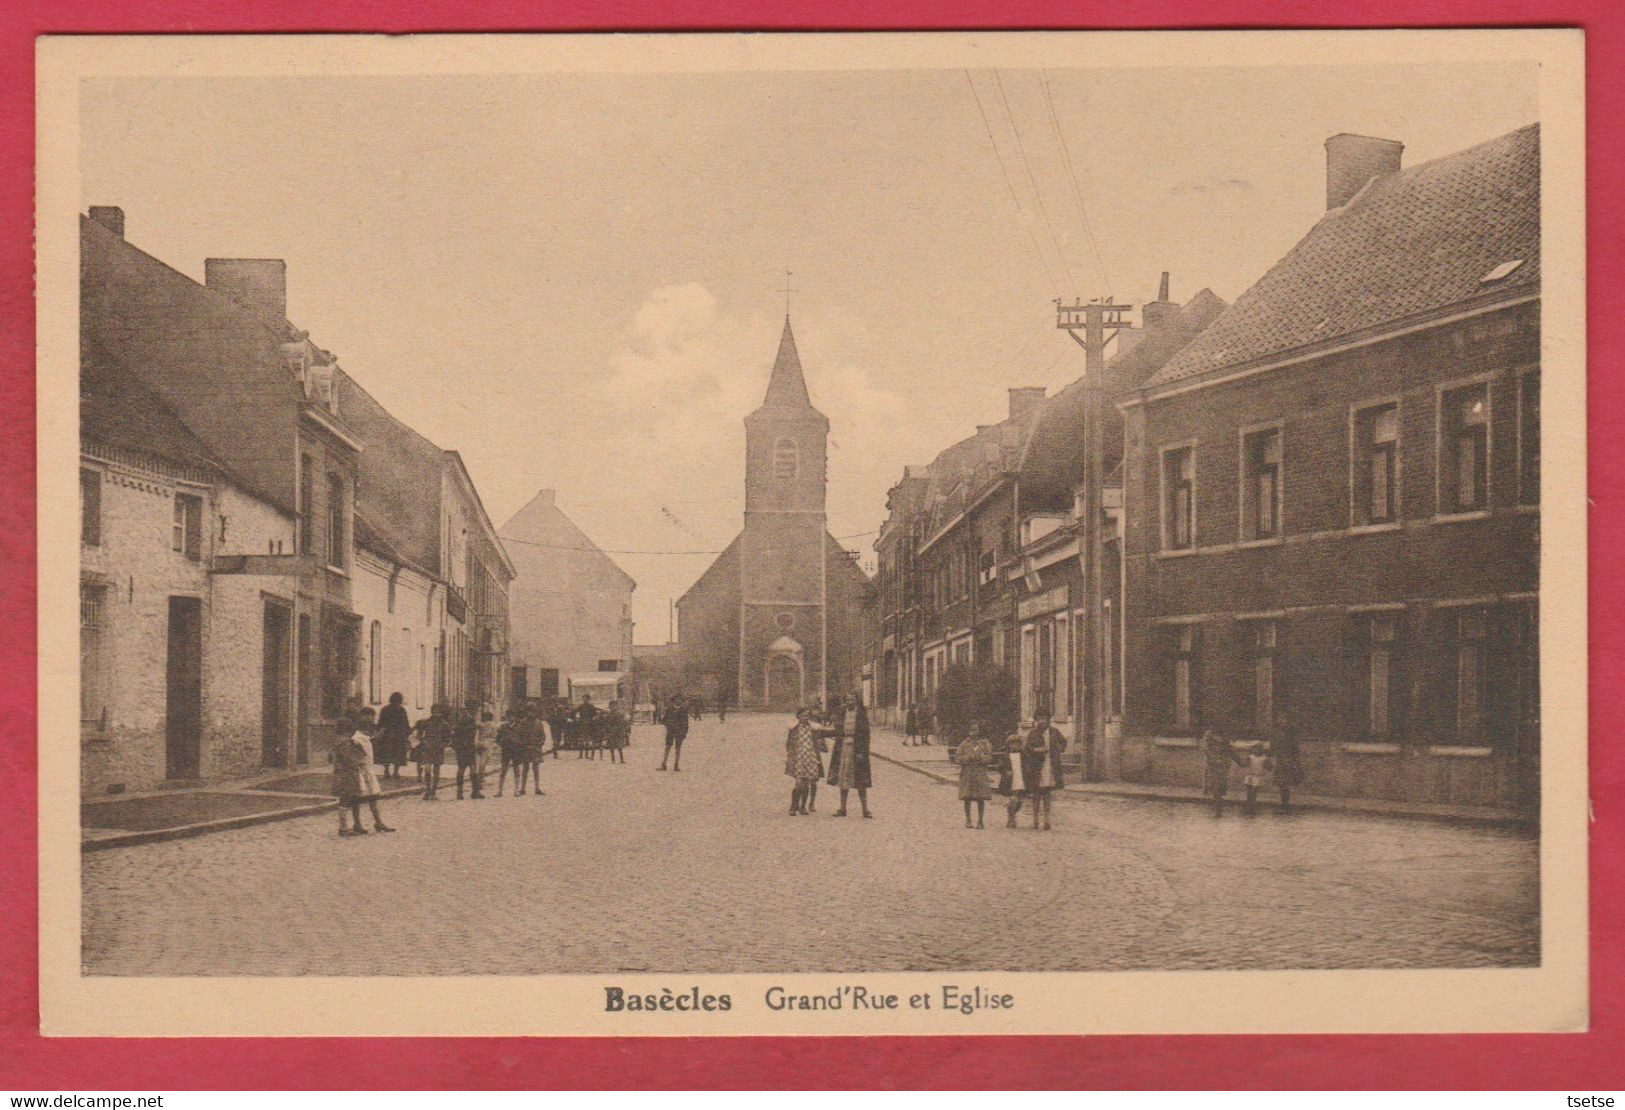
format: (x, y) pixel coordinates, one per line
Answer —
(779, 619)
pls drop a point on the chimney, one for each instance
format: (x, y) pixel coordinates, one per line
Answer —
(1353, 160)
(110, 217)
(257, 283)
(1157, 313)
(1024, 399)
(981, 429)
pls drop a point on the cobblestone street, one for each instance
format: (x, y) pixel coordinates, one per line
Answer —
(622, 868)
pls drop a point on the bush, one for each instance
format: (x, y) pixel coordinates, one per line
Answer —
(977, 692)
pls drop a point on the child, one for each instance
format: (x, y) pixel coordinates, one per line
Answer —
(354, 777)
(1258, 769)
(973, 755)
(485, 736)
(511, 749)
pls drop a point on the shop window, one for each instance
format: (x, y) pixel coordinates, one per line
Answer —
(1376, 465)
(1261, 484)
(186, 536)
(1464, 445)
(1179, 498)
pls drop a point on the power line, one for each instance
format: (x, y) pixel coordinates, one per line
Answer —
(1033, 180)
(1072, 176)
(612, 551)
(1032, 237)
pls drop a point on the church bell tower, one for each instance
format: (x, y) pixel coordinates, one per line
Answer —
(783, 563)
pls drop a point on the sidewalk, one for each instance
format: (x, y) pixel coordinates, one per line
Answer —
(170, 814)
(933, 762)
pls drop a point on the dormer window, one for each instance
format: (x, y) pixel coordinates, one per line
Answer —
(786, 459)
(319, 386)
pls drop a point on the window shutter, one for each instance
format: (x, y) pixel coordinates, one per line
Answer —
(194, 528)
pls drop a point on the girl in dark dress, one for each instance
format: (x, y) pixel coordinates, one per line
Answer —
(394, 727)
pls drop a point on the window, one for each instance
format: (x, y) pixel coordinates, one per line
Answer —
(93, 658)
(423, 673)
(1529, 438)
(335, 521)
(608, 666)
(307, 505)
(392, 580)
(1261, 484)
(1381, 671)
(987, 568)
(90, 507)
(1470, 689)
(1183, 644)
(1376, 465)
(786, 459)
(186, 536)
(1063, 668)
(375, 663)
(1179, 498)
(1464, 445)
(1262, 642)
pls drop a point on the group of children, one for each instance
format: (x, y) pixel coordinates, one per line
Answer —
(1028, 765)
(1262, 765)
(472, 734)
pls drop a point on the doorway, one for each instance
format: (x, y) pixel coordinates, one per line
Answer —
(183, 679)
(305, 675)
(784, 689)
(274, 698)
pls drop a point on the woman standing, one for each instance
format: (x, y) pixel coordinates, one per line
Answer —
(849, 762)
(974, 755)
(1288, 767)
(1041, 767)
(393, 729)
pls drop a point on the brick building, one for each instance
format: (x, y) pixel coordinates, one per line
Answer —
(205, 398)
(418, 501)
(263, 547)
(780, 618)
(979, 558)
(1333, 495)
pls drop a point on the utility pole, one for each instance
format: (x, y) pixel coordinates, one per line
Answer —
(1099, 321)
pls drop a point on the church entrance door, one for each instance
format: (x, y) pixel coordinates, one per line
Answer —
(784, 685)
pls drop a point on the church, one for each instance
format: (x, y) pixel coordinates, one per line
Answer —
(779, 620)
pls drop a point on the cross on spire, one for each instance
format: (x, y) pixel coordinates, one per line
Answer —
(787, 290)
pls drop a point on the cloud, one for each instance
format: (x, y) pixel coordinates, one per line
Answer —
(1224, 185)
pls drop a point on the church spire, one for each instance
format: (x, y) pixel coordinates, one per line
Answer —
(787, 388)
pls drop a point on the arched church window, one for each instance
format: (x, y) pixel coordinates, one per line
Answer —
(785, 459)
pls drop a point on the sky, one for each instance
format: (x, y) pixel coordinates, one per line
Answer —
(578, 281)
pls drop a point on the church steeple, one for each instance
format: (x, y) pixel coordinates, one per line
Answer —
(787, 388)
